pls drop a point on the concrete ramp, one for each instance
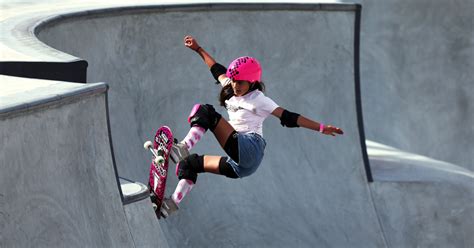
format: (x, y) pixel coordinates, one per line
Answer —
(64, 146)
(421, 202)
(57, 178)
(310, 189)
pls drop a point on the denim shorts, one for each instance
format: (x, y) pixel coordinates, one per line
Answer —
(251, 150)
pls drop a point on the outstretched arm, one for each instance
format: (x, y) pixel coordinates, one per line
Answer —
(302, 121)
(216, 69)
(191, 43)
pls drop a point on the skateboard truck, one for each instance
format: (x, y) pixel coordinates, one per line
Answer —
(158, 158)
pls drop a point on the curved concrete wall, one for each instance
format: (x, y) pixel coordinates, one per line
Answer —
(58, 183)
(426, 214)
(421, 202)
(417, 78)
(62, 144)
(316, 188)
(433, 206)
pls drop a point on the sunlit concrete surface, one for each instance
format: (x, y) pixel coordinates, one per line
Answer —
(310, 190)
(418, 85)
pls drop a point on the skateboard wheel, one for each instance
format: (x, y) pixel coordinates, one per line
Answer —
(147, 145)
(159, 160)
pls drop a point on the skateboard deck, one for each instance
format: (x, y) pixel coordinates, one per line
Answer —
(161, 149)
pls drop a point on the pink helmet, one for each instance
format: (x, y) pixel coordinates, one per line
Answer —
(245, 68)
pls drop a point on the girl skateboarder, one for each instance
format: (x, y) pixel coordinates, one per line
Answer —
(242, 136)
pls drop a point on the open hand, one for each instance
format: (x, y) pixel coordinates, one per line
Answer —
(191, 43)
(330, 130)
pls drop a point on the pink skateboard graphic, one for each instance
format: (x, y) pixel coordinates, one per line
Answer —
(160, 149)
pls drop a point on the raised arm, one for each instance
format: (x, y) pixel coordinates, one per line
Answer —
(217, 70)
(290, 119)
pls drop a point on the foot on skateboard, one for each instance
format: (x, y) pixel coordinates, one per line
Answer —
(168, 207)
(179, 151)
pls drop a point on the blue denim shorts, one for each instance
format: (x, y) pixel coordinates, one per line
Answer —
(251, 150)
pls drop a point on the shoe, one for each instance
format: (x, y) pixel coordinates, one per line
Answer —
(179, 151)
(168, 207)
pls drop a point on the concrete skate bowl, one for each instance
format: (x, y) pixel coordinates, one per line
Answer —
(417, 77)
(155, 81)
(58, 181)
(310, 189)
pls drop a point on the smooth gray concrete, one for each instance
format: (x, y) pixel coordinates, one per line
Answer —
(426, 214)
(57, 178)
(421, 202)
(154, 80)
(133, 191)
(389, 164)
(418, 82)
(311, 190)
(58, 184)
(144, 225)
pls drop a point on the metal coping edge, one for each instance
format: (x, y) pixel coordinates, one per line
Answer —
(360, 117)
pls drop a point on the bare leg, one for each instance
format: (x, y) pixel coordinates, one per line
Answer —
(222, 131)
(211, 164)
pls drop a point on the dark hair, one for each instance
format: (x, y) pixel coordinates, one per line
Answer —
(227, 92)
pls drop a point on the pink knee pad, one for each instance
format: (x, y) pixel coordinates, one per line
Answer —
(205, 116)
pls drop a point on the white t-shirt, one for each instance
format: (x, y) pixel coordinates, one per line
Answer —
(247, 113)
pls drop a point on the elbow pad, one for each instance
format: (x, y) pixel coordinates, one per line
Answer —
(217, 70)
(289, 119)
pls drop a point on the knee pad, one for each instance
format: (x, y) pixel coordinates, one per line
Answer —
(231, 146)
(189, 167)
(225, 169)
(205, 116)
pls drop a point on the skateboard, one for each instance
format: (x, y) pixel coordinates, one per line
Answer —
(160, 148)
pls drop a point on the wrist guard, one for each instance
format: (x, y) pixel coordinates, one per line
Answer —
(289, 119)
(217, 70)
